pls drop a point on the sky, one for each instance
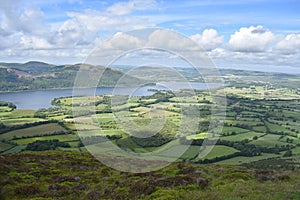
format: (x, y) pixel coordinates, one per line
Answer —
(244, 34)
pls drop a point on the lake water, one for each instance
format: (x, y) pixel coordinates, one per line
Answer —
(42, 98)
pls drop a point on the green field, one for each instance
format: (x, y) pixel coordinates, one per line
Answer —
(5, 146)
(33, 131)
(242, 159)
(279, 129)
(296, 151)
(17, 114)
(269, 140)
(22, 120)
(243, 136)
(15, 149)
(4, 109)
(217, 151)
(229, 130)
(261, 129)
(61, 138)
(256, 122)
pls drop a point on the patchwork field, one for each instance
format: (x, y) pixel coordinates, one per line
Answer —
(258, 125)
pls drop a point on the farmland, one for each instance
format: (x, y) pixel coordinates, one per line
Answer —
(260, 122)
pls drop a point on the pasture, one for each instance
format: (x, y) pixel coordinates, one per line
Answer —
(44, 129)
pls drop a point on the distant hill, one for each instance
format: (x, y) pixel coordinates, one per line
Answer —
(33, 67)
(38, 75)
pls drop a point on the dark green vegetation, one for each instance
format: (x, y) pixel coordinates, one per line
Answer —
(43, 145)
(71, 175)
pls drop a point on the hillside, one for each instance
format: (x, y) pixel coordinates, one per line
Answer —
(70, 175)
(35, 75)
(40, 76)
(32, 67)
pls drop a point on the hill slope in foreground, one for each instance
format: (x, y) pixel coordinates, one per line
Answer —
(71, 175)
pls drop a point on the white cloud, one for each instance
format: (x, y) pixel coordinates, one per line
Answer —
(252, 39)
(6, 42)
(209, 39)
(27, 20)
(70, 33)
(168, 40)
(124, 8)
(96, 21)
(33, 42)
(24, 32)
(289, 45)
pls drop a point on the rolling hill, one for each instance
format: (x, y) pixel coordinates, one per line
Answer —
(38, 76)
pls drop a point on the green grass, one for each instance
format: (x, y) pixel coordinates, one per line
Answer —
(278, 128)
(5, 146)
(73, 144)
(15, 149)
(69, 149)
(191, 153)
(229, 129)
(296, 151)
(84, 127)
(197, 136)
(32, 131)
(242, 159)
(262, 129)
(217, 151)
(295, 139)
(21, 120)
(113, 132)
(104, 115)
(17, 113)
(105, 120)
(247, 122)
(289, 124)
(247, 113)
(61, 138)
(59, 117)
(4, 109)
(292, 114)
(240, 137)
(269, 140)
(127, 144)
(106, 147)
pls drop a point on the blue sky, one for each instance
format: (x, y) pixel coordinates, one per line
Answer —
(66, 31)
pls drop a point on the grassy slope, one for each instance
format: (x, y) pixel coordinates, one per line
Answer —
(71, 175)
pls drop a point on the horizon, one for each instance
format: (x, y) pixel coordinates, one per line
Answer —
(294, 71)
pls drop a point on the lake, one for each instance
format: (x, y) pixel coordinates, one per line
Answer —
(42, 98)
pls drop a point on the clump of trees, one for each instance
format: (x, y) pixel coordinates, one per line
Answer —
(8, 104)
(153, 141)
(43, 145)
